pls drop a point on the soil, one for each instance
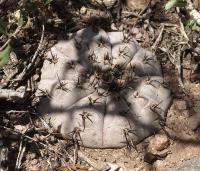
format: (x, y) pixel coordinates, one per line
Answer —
(25, 139)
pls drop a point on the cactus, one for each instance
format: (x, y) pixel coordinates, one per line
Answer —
(102, 89)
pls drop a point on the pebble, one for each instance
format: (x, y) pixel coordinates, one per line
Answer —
(20, 128)
(121, 27)
(159, 143)
(194, 122)
(83, 10)
(151, 157)
(113, 27)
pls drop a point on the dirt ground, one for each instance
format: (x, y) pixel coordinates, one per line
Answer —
(24, 142)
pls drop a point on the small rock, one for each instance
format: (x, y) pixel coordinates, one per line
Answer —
(20, 128)
(181, 105)
(159, 143)
(151, 157)
(121, 27)
(113, 27)
(194, 122)
(163, 153)
(83, 10)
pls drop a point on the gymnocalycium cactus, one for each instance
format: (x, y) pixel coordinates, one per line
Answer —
(102, 89)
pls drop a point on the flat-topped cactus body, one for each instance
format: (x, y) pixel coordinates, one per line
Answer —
(104, 88)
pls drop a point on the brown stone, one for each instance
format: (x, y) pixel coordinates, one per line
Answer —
(83, 10)
(159, 143)
(194, 122)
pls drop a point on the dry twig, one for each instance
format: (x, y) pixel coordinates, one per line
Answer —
(33, 59)
(37, 142)
(159, 38)
(9, 40)
(22, 149)
(13, 95)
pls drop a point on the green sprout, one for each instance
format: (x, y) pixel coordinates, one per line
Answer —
(4, 56)
(175, 3)
(197, 110)
(192, 24)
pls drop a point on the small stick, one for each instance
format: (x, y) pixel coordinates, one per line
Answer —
(179, 68)
(22, 149)
(13, 95)
(9, 40)
(155, 45)
(29, 66)
(145, 8)
(182, 26)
